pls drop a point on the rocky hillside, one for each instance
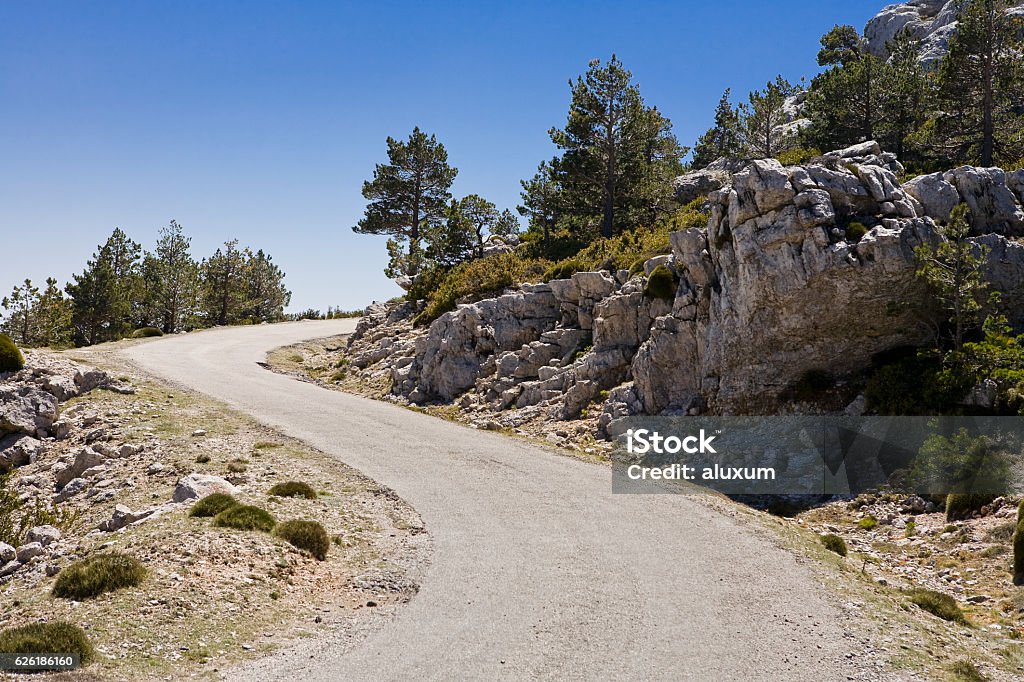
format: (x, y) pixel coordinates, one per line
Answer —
(930, 21)
(800, 269)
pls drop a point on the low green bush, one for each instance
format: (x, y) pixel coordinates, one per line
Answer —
(965, 671)
(211, 505)
(661, 284)
(47, 638)
(146, 333)
(563, 269)
(1018, 555)
(306, 535)
(98, 574)
(245, 517)
(834, 543)
(938, 604)
(855, 231)
(908, 382)
(867, 523)
(11, 359)
(960, 506)
(293, 489)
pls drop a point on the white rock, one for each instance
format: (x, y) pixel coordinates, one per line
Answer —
(196, 486)
(29, 551)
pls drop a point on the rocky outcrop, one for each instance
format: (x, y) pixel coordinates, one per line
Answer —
(800, 269)
(932, 22)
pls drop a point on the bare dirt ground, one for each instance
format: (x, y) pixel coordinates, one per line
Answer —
(215, 598)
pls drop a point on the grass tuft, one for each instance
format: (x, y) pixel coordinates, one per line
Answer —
(834, 543)
(47, 638)
(938, 604)
(211, 505)
(245, 517)
(98, 574)
(306, 535)
(293, 489)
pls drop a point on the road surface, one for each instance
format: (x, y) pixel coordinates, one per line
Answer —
(539, 571)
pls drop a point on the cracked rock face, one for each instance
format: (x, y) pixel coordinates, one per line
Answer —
(932, 22)
(775, 286)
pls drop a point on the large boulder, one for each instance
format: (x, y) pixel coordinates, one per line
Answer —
(17, 450)
(196, 486)
(935, 194)
(26, 409)
(993, 205)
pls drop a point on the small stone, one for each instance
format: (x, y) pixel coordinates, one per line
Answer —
(30, 551)
(44, 535)
(198, 433)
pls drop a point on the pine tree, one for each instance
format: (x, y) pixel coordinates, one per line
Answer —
(224, 284)
(542, 202)
(407, 196)
(608, 135)
(723, 139)
(53, 316)
(506, 227)
(104, 295)
(453, 241)
(761, 118)
(21, 308)
(177, 279)
(981, 88)
(266, 295)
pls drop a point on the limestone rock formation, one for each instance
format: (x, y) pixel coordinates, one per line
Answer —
(777, 285)
(930, 21)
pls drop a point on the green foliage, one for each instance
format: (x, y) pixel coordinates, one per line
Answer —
(11, 359)
(938, 604)
(723, 139)
(834, 543)
(37, 318)
(979, 85)
(306, 535)
(953, 273)
(661, 284)
(211, 505)
(960, 463)
(407, 195)
(965, 671)
(564, 269)
(619, 156)
(1018, 554)
(760, 121)
(855, 231)
(867, 523)
(146, 333)
(17, 517)
(479, 279)
(1020, 511)
(915, 383)
(997, 357)
(98, 574)
(245, 517)
(960, 506)
(47, 638)
(797, 155)
(293, 489)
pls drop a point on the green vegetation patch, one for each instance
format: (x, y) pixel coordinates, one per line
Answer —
(960, 506)
(661, 284)
(306, 535)
(245, 517)
(98, 574)
(834, 543)
(11, 359)
(293, 489)
(47, 638)
(211, 505)
(938, 604)
(146, 333)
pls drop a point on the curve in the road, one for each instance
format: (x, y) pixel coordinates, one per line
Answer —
(539, 571)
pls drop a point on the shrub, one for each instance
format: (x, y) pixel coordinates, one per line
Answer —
(563, 269)
(907, 382)
(855, 231)
(867, 523)
(245, 517)
(834, 543)
(98, 574)
(211, 505)
(237, 467)
(797, 156)
(293, 489)
(146, 332)
(47, 638)
(661, 284)
(1018, 555)
(961, 463)
(961, 506)
(1020, 511)
(203, 459)
(965, 671)
(11, 359)
(307, 535)
(938, 604)
(910, 529)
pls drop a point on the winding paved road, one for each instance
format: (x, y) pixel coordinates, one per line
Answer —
(539, 572)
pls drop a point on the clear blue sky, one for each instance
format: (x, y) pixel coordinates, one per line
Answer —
(260, 120)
